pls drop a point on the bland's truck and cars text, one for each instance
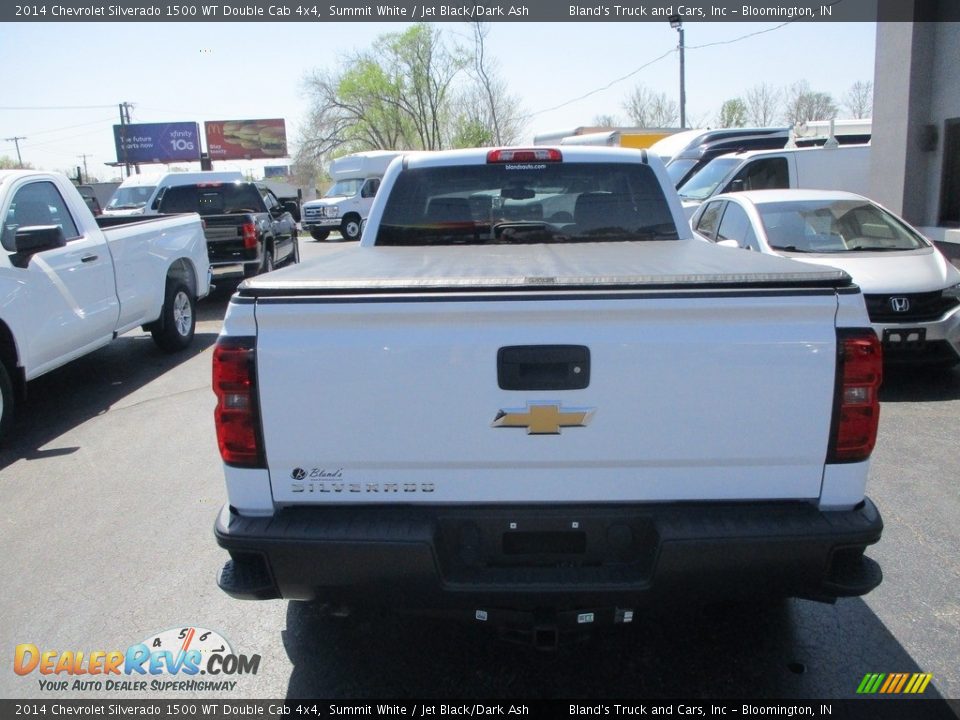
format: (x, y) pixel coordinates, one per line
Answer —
(536, 395)
(68, 286)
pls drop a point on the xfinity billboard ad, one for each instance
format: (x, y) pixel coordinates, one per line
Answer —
(157, 142)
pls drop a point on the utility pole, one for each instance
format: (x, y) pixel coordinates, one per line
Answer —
(124, 121)
(86, 175)
(16, 141)
(676, 22)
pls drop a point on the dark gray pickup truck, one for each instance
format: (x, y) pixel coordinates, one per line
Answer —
(248, 229)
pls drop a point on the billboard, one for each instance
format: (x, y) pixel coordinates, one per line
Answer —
(272, 171)
(246, 139)
(157, 142)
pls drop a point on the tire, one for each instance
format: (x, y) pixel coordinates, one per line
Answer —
(6, 402)
(350, 228)
(318, 234)
(178, 319)
(265, 266)
(295, 252)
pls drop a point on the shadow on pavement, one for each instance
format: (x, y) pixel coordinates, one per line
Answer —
(783, 649)
(69, 396)
(920, 384)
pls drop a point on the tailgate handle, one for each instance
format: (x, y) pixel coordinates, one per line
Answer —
(543, 367)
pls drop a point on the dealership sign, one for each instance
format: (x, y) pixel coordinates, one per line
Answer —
(246, 139)
(157, 142)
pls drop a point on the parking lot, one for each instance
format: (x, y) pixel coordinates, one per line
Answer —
(109, 486)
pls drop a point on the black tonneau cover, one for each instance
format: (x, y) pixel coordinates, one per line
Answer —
(675, 264)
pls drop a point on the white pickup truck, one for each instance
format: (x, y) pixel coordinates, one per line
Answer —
(530, 393)
(68, 287)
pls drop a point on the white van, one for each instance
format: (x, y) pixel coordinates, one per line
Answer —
(345, 205)
(846, 167)
(140, 194)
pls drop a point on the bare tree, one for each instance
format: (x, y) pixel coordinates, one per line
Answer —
(859, 99)
(499, 116)
(762, 105)
(648, 109)
(473, 125)
(606, 121)
(803, 104)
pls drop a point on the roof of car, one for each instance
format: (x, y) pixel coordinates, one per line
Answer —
(759, 197)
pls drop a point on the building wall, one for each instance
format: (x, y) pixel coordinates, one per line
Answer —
(916, 90)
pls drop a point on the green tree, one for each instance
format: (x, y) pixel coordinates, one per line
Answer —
(803, 104)
(396, 95)
(9, 163)
(733, 113)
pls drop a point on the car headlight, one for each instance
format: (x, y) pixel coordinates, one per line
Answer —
(952, 292)
(333, 211)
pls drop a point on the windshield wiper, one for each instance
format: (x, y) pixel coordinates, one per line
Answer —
(862, 248)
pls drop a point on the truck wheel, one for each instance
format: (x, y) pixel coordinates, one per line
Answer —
(350, 228)
(318, 234)
(265, 266)
(178, 319)
(6, 402)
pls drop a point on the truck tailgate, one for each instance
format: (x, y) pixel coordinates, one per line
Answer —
(691, 395)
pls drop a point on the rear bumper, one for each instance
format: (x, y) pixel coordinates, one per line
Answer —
(932, 342)
(529, 557)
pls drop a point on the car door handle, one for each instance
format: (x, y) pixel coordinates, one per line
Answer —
(88, 258)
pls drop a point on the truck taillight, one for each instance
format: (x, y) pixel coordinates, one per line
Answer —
(513, 155)
(237, 415)
(857, 404)
(249, 233)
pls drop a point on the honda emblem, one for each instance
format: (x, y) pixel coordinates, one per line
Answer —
(900, 304)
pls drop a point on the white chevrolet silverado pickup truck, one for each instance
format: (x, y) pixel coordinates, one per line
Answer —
(530, 392)
(68, 287)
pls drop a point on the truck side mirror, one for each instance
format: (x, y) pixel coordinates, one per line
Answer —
(29, 240)
(738, 185)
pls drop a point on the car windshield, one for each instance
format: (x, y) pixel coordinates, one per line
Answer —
(548, 202)
(835, 226)
(678, 168)
(704, 183)
(345, 188)
(131, 198)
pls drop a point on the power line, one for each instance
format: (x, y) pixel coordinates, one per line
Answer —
(742, 37)
(605, 87)
(71, 127)
(655, 60)
(54, 107)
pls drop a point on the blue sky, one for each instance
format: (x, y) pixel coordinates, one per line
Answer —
(219, 71)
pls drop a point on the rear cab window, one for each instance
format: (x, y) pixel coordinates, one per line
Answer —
(512, 203)
(212, 199)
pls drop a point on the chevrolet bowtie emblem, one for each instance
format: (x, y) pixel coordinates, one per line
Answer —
(543, 418)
